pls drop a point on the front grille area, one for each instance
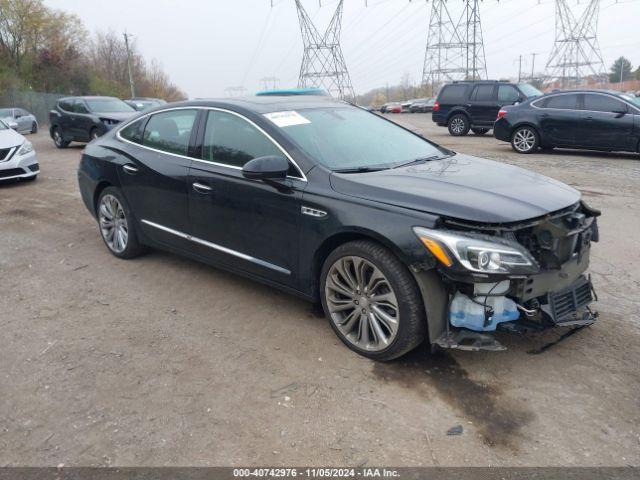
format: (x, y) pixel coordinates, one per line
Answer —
(4, 153)
(12, 172)
(35, 167)
(565, 302)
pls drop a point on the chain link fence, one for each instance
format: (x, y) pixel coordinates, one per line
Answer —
(37, 103)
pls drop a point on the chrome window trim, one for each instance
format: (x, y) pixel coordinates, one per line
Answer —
(302, 177)
(605, 94)
(220, 248)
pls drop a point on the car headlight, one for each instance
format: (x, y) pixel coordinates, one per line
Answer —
(27, 147)
(478, 253)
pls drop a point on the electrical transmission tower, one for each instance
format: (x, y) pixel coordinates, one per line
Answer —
(323, 65)
(455, 49)
(576, 53)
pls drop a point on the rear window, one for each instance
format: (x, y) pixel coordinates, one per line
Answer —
(133, 131)
(452, 93)
(567, 102)
(483, 93)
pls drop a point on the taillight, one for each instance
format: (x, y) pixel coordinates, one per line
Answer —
(501, 113)
(436, 106)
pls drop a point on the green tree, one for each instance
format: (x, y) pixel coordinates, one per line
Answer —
(620, 70)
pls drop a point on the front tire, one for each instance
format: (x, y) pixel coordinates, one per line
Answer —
(372, 301)
(525, 140)
(116, 224)
(459, 125)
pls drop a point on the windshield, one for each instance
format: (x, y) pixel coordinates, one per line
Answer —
(529, 90)
(346, 138)
(108, 105)
(631, 98)
(5, 112)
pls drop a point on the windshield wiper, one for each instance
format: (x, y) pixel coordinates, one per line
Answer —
(418, 161)
(361, 169)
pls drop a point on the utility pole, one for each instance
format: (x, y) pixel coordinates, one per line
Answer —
(533, 65)
(323, 64)
(520, 69)
(270, 83)
(455, 47)
(131, 84)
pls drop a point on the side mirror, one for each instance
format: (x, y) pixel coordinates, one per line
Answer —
(18, 115)
(620, 112)
(13, 125)
(271, 167)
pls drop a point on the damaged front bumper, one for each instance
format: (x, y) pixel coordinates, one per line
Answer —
(559, 294)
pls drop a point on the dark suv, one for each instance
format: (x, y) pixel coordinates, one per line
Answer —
(464, 106)
(81, 119)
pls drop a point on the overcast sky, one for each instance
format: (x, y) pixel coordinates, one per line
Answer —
(208, 45)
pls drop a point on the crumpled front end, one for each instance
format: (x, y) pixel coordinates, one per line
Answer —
(521, 277)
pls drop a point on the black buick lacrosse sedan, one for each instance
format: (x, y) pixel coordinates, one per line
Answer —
(401, 240)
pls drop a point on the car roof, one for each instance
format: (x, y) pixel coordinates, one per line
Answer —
(587, 90)
(88, 97)
(267, 103)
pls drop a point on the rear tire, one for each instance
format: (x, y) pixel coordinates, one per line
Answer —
(459, 125)
(525, 140)
(480, 131)
(117, 225)
(380, 314)
(58, 139)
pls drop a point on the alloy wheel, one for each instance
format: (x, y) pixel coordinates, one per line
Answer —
(113, 223)
(362, 303)
(57, 137)
(524, 140)
(457, 125)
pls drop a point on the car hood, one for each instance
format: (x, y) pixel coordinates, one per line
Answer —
(10, 138)
(462, 187)
(115, 115)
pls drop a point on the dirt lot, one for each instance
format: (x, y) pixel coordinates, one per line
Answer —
(163, 361)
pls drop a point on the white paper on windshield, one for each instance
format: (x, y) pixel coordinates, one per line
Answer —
(286, 119)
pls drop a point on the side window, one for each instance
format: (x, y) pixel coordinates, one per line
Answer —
(79, 107)
(170, 131)
(133, 131)
(231, 140)
(66, 105)
(483, 93)
(603, 103)
(452, 94)
(508, 94)
(565, 102)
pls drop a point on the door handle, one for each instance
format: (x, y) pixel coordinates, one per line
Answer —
(201, 188)
(589, 119)
(130, 169)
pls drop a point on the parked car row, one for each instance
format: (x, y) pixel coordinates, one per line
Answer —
(418, 105)
(530, 120)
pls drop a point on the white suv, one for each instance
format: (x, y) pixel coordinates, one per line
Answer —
(17, 157)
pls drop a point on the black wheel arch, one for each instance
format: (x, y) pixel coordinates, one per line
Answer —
(458, 111)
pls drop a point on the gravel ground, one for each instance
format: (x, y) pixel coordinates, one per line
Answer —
(163, 361)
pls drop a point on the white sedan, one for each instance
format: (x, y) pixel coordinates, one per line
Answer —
(17, 157)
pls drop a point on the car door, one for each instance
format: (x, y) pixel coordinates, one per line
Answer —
(483, 104)
(66, 118)
(607, 122)
(22, 119)
(154, 171)
(248, 225)
(83, 121)
(558, 117)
